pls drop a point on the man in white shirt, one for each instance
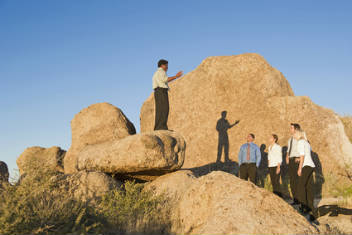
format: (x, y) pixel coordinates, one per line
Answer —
(161, 87)
(292, 160)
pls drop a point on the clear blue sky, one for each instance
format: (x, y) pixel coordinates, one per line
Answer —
(57, 57)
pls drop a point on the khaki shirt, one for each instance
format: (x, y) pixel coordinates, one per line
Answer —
(160, 79)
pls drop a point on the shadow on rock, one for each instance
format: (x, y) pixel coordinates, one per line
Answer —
(229, 167)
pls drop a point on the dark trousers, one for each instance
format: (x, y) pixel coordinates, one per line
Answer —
(305, 189)
(223, 144)
(292, 171)
(275, 180)
(248, 170)
(161, 108)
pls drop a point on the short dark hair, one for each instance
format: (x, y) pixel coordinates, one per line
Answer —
(253, 136)
(162, 62)
(276, 138)
(296, 126)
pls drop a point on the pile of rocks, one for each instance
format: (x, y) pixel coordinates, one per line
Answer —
(105, 151)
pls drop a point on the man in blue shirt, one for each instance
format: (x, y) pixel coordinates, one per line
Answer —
(249, 159)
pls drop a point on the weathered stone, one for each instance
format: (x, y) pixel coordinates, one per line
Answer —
(258, 95)
(96, 124)
(86, 186)
(221, 203)
(142, 156)
(36, 157)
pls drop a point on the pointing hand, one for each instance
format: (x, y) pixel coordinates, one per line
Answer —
(179, 74)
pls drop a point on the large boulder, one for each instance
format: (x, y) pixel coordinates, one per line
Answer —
(4, 173)
(96, 124)
(221, 203)
(172, 185)
(86, 186)
(142, 156)
(33, 158)
(248, 89)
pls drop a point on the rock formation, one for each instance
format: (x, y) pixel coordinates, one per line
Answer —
(248, 89)
(34, 158)
(86, 186)
(220, 203)
(142, 156)
(4, 173)
(96, 124)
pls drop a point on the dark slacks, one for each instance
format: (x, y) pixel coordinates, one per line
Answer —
(305, 189)
(275, 180)
(161, 108)
(248, 170)
(292, 171)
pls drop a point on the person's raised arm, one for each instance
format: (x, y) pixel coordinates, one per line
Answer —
(179, 74)
(238, 121)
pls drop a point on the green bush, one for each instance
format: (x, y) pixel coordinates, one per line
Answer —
(37, 205)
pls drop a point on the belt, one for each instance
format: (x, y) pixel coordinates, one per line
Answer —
(161, 88)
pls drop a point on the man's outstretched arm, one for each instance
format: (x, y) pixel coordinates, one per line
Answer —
(179, 74)
(238, 121)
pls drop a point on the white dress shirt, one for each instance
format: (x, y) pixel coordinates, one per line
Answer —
(304, 149)
(294, 152)
(160, 79)
(275, 155)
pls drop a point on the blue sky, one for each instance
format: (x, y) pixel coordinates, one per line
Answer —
(57, 57)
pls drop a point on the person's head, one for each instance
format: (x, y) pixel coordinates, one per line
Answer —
(300, 135)
(262, 147)
(164, 64)
(294, 127)
(250, 138)
(223, 114)
(273, 139)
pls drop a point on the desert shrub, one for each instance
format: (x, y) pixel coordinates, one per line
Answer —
(133, 210)
(37, 205)
(347, 122)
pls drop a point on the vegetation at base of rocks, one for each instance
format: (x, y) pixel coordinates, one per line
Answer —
(37, 205)
(347, 122)
(341, 190)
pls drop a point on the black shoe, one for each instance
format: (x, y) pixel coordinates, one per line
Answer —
(313, 220)
(295, 202)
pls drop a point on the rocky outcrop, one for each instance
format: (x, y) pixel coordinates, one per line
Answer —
(35, 158)
(86, 186)
(99, 123)
(4, 173)
(221, 203)
(172, 185)
(248, 89)
(142, 156)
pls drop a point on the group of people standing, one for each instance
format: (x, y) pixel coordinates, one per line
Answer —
(298, 158)
(300, 166)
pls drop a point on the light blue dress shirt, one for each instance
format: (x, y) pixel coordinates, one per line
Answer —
(255, 155)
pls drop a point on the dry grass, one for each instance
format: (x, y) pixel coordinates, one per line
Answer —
(37, 206)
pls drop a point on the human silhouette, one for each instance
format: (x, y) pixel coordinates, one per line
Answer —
(263, 167)
(222, 126)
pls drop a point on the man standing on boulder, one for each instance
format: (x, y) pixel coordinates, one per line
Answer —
(160, 86)
(249, 159)
(292, 160)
